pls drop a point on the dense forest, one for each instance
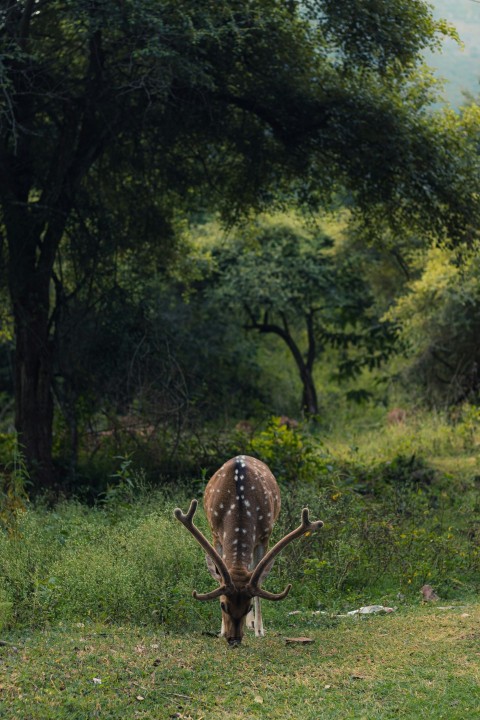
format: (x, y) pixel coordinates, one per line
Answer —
(213, 214)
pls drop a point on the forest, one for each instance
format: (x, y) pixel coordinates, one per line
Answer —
(232, 228)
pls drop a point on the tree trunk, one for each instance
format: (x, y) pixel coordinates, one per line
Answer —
(305, 366)
(29, 283)
(33, 388)
(309, 397)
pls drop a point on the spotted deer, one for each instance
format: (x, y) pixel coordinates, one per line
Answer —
(242, 503)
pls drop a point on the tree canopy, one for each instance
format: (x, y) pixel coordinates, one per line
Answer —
(278, 276)
(119, 117)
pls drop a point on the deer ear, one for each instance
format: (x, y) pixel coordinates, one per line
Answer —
(212, 569)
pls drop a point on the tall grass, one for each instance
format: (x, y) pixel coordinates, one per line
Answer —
(76, 562)
(392, 523)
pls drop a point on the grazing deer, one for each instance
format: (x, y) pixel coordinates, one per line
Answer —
(242, 502)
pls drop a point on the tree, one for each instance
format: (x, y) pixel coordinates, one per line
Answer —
(195, 103)
(288, 280)
(438, 320)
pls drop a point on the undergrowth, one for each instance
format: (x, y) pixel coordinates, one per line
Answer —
(390, 527)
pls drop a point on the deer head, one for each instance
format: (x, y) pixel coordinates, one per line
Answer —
(242, 502)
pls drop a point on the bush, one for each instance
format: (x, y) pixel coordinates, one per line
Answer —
(76, 563)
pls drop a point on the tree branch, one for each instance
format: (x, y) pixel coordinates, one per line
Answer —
(293, 131)
(24, 28)
(285, 335)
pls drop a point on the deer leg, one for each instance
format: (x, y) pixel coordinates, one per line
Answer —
(250, 622)
(258, 554)
(215, 574)
(259, 631)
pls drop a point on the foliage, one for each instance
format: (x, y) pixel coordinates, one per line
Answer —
(117, 566)
(394, 521)
(290, 453)
(279, 276)
(118, 120)
(438, 322)
(384, 33)
(14, 481)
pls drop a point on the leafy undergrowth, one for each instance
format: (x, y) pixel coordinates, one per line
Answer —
(417, 662)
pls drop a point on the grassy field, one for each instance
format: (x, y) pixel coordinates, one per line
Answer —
(417, 662)
(97, 618)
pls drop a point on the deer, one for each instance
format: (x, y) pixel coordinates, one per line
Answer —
(242, 503)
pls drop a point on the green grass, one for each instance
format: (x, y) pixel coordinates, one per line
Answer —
(417, 662)
(98, 618)
(368, 435)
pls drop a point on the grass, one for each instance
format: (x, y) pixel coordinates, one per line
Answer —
(417, 662)
(98, 620)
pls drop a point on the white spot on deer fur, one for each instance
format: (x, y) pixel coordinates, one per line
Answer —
(215, 513)
(221, 506)
(242, 488)
(248, 513)
(260, 517)
(237, 529)
(244, 531)
(247, 503)
(232, 506)
(235, 542)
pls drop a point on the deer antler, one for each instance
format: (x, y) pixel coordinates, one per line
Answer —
(269, 595)
(187, 521)
(253, 586)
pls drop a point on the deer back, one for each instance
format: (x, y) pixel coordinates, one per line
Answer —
(242, 502)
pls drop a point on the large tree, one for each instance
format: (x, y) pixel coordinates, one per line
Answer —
(279, 276)
(183, 103)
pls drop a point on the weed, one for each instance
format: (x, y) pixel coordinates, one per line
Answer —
(14, 480)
